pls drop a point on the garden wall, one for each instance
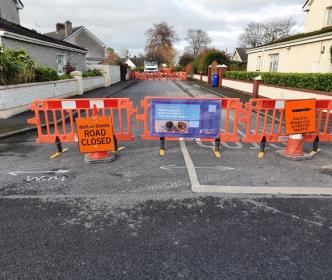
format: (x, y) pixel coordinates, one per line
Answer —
(15, 99)
(91, 83)
(270, 91)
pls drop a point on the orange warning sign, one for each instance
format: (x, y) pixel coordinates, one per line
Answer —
(95, 134)
(300, 116)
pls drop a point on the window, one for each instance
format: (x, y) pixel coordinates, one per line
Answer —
(258, 66)
(60, 60)
(329, 16)
(274, 61)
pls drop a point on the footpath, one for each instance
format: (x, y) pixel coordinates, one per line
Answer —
(222, 92)
(229, 93)
(18, 123)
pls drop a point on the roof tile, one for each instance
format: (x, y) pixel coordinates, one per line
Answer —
(18, 29)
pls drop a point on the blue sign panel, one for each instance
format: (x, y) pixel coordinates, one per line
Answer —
(185, 118)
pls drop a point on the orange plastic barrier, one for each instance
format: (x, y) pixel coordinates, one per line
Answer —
(55, 118)
(229, 133)
(264, 120)
(323, 122)
(160, 75)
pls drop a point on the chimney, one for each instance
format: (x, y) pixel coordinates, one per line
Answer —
(59, 27)
(68, 28)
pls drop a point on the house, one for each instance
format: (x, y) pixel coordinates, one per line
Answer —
(45, 51)
(10, 10)
(240, 55)
(82, 37)
(138, 61)
(302, 53)
(130, 63)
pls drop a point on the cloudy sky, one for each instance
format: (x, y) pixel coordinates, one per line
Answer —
(122, 24)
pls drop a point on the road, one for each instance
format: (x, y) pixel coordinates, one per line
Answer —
(150, 217)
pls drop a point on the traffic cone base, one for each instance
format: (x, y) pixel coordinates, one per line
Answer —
(99, 157)
(294, 149)
(295, 158)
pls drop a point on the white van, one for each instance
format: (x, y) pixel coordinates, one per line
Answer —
(151, 66)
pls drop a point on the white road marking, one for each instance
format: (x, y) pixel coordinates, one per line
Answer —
(195, 185)
(275, 210)
(264, 190)
(220, 168)
(16, 173)
(288, 190)
(46, 179)
(201, 144)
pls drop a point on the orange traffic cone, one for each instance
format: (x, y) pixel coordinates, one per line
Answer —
(294, 149)
(295, 146)
(98, 157)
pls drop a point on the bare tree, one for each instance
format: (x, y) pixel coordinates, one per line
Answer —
(160, 40)
(278, 28)
(260, 33)
(198, 41)
(253, 35)
(161, 35)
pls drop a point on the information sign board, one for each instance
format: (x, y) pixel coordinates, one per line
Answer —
(184, 118)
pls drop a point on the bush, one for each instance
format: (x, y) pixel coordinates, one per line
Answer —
(177, 68)
(66, 77)
(237, 66)
(206, 58)
(242, 75)
(185, 59)
(312, 81)
(68, 68)
(189, 68)
(92, 73)
(139, 68)
(196, 65)
(215, 55)
(16, 67)
(45, 74)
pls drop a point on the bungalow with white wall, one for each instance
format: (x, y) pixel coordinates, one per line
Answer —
(307, 52)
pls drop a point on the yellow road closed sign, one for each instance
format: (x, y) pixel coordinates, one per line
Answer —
(95, 134)
(300, 116)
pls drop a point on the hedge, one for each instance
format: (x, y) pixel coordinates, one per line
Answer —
(16, 67)
(92, 73)
(45, 74)
(206, 58)
(312, 81)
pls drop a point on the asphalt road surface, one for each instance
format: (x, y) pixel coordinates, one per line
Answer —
(149, 217)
